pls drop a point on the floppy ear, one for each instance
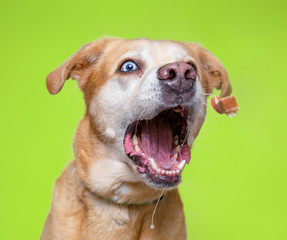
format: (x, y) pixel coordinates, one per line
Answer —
(75, 66)
(213, 70)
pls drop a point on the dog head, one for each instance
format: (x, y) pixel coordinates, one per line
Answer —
(146, 100)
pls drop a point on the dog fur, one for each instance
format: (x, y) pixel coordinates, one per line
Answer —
(93, 197)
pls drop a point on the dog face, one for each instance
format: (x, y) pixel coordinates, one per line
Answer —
(146, 100)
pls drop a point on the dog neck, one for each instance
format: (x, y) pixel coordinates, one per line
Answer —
(104, 174)
(116, 200)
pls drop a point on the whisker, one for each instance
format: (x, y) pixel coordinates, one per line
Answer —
(210, 85)
(203, 103)
(209, 94)
(204, 115)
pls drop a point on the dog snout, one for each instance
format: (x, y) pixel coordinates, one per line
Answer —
(179, 76)
(177, 80)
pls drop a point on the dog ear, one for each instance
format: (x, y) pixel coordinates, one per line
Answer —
(75, 66)
(213, 70)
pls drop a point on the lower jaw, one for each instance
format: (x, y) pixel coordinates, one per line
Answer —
(154, 179)
(162, 181)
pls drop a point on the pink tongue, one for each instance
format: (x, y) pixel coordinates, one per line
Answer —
(156, 140)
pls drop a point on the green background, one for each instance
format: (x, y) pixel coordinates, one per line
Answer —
(235, 186)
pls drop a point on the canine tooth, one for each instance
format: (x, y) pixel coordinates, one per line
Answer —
(135, 140)
(181, 165)
(175, 141)
(153, 164)
(175, 156)
(137, 148)
(177, 148)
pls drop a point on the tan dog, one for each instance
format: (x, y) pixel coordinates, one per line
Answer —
(146, 102)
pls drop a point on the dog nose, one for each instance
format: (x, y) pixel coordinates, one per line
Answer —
(178, 76)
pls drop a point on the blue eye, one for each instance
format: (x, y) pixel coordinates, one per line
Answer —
(129, 66)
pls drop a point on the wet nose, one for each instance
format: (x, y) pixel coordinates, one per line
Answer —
(178, 76)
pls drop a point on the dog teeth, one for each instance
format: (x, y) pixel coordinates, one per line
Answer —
(170, 173)
(175, 156)
(137, 148)
(177, 148)
(153, 164)
(180, 111)
(135, 140)
(181, 165)
(175, 140)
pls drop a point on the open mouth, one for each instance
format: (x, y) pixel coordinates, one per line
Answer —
(159, 146)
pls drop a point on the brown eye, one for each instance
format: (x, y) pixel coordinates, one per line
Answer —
(129, 66)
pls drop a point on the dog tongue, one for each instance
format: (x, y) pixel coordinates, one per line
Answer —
(156, 140)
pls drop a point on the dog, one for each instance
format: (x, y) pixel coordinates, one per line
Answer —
(145, 104)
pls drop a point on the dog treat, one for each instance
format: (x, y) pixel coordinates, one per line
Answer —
(227, 105)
